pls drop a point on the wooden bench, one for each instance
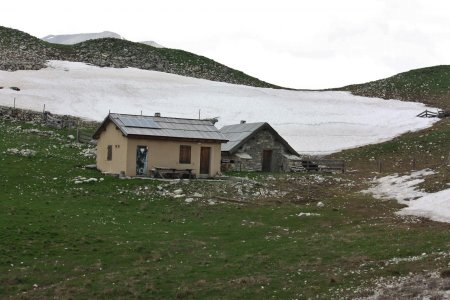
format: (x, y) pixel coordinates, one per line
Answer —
(162, 172)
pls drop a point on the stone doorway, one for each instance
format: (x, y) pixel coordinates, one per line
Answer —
(267, 161)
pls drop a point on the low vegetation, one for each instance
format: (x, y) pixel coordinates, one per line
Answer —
(429, 148)
(428, 85)
(70, 232)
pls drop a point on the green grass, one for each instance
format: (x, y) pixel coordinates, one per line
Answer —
(429, 148)
(110, 239)
(428, 85)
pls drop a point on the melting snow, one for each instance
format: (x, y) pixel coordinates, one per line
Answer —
(435, 206)
(307, 214)
(312, 122)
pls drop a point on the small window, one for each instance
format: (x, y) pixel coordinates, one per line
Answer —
(185, 154)
(109, 155)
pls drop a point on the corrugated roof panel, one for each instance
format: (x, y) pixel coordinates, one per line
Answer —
(228, 146)
(239, 133)
(237, 136)
(250, 127)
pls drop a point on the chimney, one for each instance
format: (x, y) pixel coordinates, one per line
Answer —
(157, 114)
(243, 121)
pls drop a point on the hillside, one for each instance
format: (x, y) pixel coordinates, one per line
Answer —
(292, 236)
(427, 85)
(21, 51)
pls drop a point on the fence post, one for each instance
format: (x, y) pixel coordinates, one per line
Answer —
(414, 163)
(380, 166)
(78, 134)
(308, 189)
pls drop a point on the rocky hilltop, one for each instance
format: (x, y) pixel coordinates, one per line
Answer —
(21, 51)
(71, 39)
(429, 85)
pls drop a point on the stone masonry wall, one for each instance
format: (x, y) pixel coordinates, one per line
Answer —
(263, 140)
(47, 118)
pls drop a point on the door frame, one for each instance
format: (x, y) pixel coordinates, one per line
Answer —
(145, 166)
(267, 160)
(202, 161)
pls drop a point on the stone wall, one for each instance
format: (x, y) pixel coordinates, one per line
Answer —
(263, 140)
(45, 118)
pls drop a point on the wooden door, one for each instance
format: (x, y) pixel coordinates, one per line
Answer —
(267, 161)
(205, 158)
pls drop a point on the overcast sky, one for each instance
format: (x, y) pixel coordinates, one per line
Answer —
(298, 44)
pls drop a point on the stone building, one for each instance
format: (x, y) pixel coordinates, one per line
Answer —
(256, 147)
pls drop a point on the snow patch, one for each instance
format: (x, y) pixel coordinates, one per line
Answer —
(71, 39)
(435, 206)
(307, 214)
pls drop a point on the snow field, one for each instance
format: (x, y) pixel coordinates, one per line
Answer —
(312, 122)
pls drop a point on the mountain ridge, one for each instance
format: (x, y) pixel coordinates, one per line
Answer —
(75, 38)
(22, 51)
(71, 39)
(429, 85)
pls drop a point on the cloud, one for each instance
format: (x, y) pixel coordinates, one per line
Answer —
(300, 44)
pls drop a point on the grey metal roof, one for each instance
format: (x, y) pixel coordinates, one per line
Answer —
(238, 134)
(164, 127)
(235, 134)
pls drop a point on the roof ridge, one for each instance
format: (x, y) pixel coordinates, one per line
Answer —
(133, 115)
(246, 123)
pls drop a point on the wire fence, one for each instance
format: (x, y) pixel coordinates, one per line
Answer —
(397, 165)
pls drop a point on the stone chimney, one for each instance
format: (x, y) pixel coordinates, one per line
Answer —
(243, 121)
(157, 114)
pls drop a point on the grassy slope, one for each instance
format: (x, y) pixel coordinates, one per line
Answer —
(133, 54)
(428, 85)
(429, 148)
(109, 239)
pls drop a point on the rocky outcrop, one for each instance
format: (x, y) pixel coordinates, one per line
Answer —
(21, 51)
(21, 152)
